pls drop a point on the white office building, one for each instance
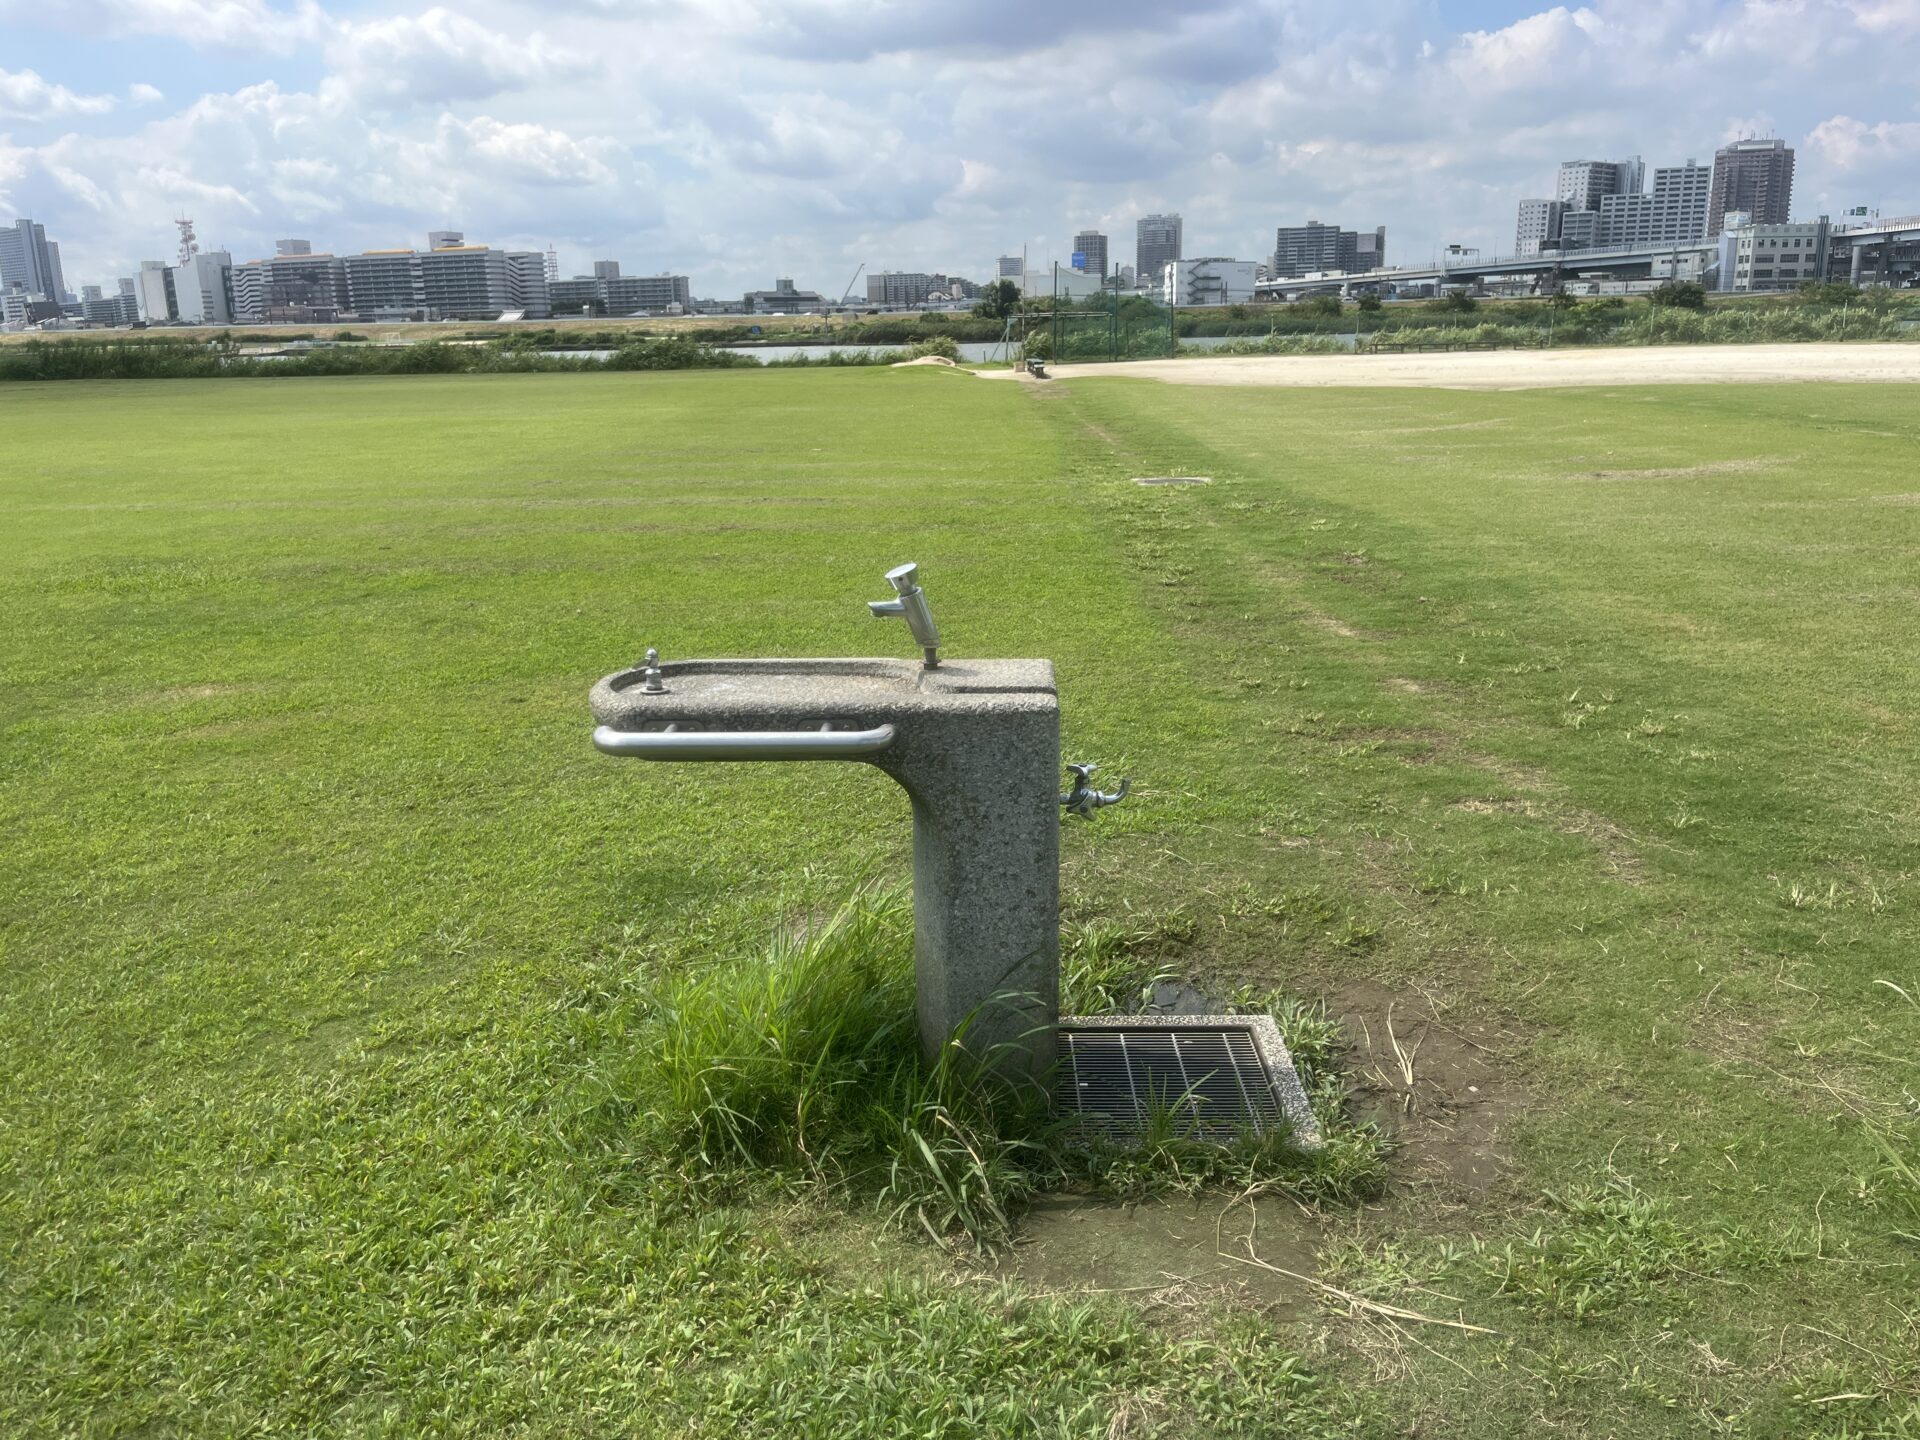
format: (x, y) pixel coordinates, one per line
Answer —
(1675, 210)
(203, 289)
(1538, 226)
(1771, 257)
(1208, 280)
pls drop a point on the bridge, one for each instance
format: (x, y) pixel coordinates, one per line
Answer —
(1626, 262)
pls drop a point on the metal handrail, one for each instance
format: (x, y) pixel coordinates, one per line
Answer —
(676, 744)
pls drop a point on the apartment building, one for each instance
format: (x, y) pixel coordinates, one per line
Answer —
(1753, 178)
(1675, 210)
(295, 286)
(1316, 249)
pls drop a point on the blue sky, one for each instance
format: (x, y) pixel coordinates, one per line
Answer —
(737, 140)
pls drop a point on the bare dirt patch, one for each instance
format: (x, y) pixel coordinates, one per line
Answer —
(1679, 472)
(1613, 842)
(178, 694)
(1433, 1079)
(1165, 1254)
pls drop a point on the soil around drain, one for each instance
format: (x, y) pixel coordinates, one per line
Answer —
(1434, 1083)
(1165, 1253)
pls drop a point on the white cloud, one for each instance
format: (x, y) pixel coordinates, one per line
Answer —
(438, 56)
(1849, 144)
(530, 154)
(25, 96)
(1532, 52)
(742, 139)
(245, 25)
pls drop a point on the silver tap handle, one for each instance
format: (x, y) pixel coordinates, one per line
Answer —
(1082, 799)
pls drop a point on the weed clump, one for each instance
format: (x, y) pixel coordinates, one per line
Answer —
(800, 1064)
(1614, 1244)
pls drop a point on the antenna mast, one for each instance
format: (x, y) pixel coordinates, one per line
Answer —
(189, 246)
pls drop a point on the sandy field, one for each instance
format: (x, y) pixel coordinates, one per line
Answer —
(1527, 369)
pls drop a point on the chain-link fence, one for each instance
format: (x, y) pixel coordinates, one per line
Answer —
(1107, 326)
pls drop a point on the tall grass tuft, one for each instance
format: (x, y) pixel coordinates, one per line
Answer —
(800, 1063)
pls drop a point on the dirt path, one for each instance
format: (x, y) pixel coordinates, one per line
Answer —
(1528, 369)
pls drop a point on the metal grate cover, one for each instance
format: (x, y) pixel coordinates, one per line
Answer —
(1218, 1076)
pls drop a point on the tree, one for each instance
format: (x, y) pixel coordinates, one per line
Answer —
(1680, 295)
(998, 300)
(1829, 292)
(1369, 304)
(1319, 305)
(1455, 302)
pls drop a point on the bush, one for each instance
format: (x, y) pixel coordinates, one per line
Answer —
(942, 346)
(1828, 292)
(1369, 304)
(1454, 302)
(1679, 295)
(1325, 305)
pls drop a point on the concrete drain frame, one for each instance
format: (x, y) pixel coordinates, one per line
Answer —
(1220, 1075)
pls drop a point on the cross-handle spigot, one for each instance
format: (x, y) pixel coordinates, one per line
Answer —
(911, 605)
(1083, 799)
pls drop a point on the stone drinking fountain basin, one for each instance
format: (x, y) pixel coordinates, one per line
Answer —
(976, 746)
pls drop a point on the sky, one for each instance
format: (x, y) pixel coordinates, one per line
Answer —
(736, 141)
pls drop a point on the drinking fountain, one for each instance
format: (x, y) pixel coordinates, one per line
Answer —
(976, 746)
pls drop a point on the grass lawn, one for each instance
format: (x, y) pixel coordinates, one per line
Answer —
(1564, 741)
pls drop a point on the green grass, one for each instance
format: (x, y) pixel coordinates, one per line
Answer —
(333, 959)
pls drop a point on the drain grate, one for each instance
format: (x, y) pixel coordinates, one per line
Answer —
(1218, 1076)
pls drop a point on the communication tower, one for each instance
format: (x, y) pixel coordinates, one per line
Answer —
(189, 245)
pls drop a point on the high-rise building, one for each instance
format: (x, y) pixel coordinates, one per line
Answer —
(1675, 210)
(1314, 249)
(1579, 229)
(1753, 176)
(606, 269)
(901, 287)
(60, 291)
(203, 289)
(295, 285)
(1538, 226)
(154, 292)
(447, 281)
(27, 261)
(1010, 267)
(1156, 244)
(1092, 246)
(1585, 183)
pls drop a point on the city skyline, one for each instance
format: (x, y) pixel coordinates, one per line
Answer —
(809, 137)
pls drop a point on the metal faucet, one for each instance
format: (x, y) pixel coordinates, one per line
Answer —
(1083, 799)
(911, 605)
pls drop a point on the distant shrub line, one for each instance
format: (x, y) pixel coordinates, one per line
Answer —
(186, 360)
